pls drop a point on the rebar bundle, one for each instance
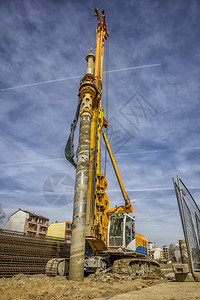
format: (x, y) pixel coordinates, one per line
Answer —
(22, 253)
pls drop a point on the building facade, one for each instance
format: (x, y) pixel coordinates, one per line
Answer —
(68, 231)
(151, 245)
(61, 230)
(156, 253)
(174, 252)
(27, 222)
(171, 253)
(166, 252)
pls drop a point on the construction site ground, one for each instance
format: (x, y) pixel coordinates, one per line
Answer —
(41, 287)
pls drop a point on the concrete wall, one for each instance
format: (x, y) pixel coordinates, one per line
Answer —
(16, 221)
(56, 230)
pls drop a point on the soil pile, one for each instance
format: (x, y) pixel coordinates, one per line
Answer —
(41, 287)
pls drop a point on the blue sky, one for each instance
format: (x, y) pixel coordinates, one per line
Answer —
(153, 110)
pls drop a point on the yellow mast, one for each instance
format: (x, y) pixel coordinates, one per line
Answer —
(93, 215)
(97, 200)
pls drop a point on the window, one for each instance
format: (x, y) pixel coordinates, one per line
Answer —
(32, 226)
(68, 225)
(68, 232)
(43, 228)
(116, 231)
(128, 230)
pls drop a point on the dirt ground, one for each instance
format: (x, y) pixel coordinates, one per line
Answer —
(41, 287)
(164, 291)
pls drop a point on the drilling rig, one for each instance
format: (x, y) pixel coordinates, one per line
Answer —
(106, 235)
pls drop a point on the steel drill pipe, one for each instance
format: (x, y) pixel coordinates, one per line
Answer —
(77, 252)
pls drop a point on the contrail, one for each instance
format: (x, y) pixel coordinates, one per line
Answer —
(61, 158)
(74, 77)
(133, 68)
(133, 153)
(29, 162)
(38, 83)
(145, 189)
(150, 189)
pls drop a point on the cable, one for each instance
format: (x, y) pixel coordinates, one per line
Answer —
(107, 94)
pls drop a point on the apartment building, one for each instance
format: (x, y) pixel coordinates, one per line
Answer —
(166, 252)
(171, 252)
(25, 221)
(151, 245)
(61, 230)
(156, 253)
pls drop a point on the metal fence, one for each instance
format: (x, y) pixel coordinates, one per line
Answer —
(190, 218)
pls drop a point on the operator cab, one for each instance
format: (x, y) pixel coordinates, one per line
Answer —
(121, 233)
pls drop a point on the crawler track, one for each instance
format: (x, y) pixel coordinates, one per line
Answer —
(137, 267)
(57, 266)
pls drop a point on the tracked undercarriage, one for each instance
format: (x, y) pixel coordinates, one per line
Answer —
(127, 267)
(57, 266)
(137, 267)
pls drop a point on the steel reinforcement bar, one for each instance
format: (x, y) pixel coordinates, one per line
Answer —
(21, 253)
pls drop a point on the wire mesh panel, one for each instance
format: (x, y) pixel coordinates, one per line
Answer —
(22, 253)
(198, 227)
(190, 218)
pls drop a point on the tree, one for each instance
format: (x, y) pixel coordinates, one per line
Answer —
(2, 215)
